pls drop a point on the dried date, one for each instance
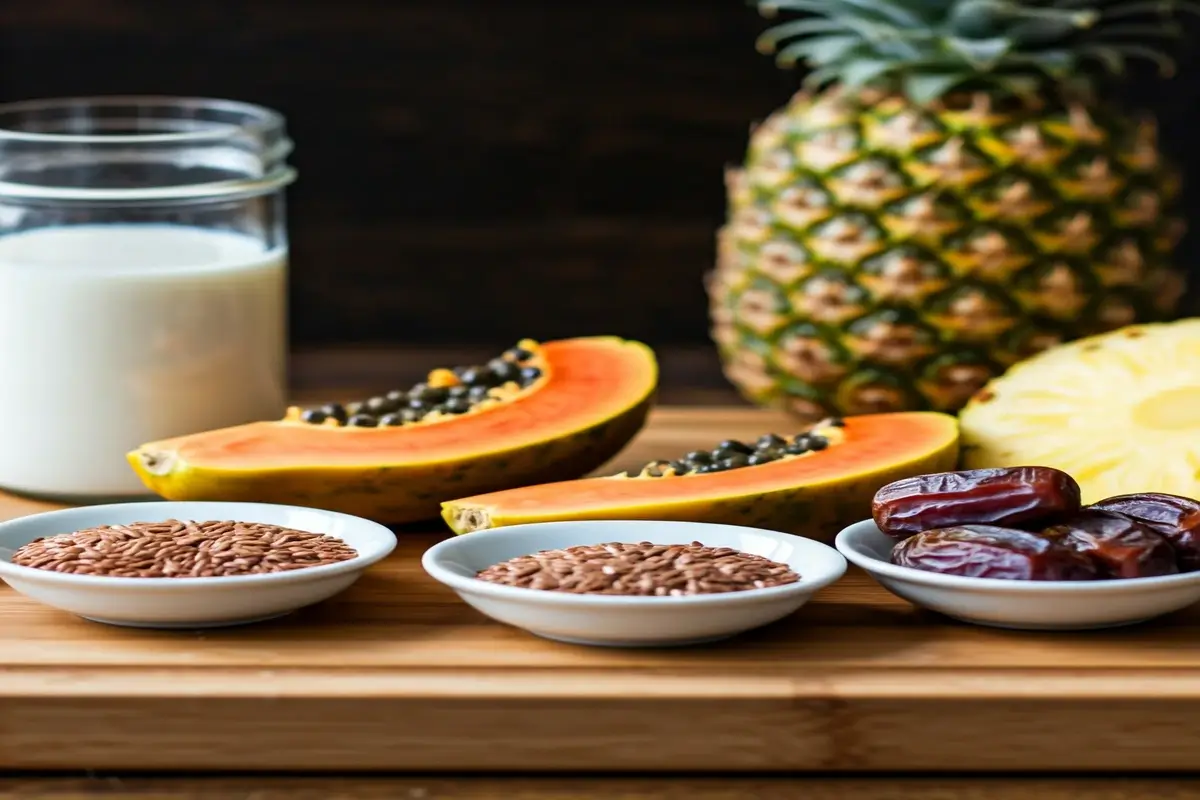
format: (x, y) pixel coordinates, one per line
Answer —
(988, 551)
(1120, 547)
(1175, 518)
(1013, 497)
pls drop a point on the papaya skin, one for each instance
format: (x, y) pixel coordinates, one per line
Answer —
(251, 462)
(813, 495)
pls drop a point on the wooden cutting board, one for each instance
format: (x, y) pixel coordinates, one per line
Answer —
(398, 674)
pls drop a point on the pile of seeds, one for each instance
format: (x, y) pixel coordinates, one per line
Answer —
(656, 570)
(178, 549)
(446, 391)
(731, 454)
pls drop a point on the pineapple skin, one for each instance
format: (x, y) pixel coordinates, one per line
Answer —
(1119, 412)
(883, 256)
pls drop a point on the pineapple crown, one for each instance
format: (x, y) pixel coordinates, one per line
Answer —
(928, 48)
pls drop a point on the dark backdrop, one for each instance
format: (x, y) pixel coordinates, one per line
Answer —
(470, 170)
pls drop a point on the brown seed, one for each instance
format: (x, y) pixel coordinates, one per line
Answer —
(179, 549)
(641, 569)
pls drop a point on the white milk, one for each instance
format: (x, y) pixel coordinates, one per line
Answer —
(115, 335)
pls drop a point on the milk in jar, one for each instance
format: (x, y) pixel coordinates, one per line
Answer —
(143, 282)
(116, 335)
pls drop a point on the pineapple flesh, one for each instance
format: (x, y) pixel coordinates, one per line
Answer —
(1120, 412)
(941, 202)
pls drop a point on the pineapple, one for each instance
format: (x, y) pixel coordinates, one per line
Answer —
(943, 199)
(1120, 412)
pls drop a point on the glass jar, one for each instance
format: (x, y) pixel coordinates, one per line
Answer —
(143, 282)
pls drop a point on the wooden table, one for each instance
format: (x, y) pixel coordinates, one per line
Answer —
(398, 675)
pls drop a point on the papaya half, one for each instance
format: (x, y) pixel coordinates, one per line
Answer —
(812, 484)
(539, 412)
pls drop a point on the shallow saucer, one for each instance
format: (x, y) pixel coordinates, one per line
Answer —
(1025, 605)
(619, 621)
(190, 602)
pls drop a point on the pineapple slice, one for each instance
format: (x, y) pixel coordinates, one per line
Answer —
(1119, 411)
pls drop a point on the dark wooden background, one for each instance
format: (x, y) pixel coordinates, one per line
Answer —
(471, 170)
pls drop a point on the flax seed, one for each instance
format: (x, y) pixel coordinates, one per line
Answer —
(179, 549)
(642, 569)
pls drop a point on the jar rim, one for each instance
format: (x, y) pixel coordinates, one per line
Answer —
(172, 123)
(267, 119)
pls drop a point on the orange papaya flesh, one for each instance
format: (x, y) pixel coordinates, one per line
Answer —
(593, 397)
(815, 494)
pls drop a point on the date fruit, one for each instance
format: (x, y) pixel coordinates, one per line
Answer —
(1121, 547)
(988, 551)
(1175, 518)
(1013, 497)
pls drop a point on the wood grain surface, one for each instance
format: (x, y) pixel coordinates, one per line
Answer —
(398, 674)
(367, 788)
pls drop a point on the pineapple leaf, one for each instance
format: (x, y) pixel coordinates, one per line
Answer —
(1043, 30)
(819, 77)
(931, 47)
(889, 11)
(1078, 3)
(889, 41)
(978, 19)
(860, 73)
(1109, 58)
(1130, 8)
(1166, 31)
(819, 50)
(982, 54)
(770, 38)
(1163, 7)
(908, 49)
(1165, 64)
(924, 88)
(772, 9)
(1055, 63)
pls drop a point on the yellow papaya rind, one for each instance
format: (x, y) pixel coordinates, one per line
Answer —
(398, 494)
(405, 492)
(817, 510)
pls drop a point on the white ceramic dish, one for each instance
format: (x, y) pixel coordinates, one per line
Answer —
(190, 602)
(630, 621)
(1026, 605)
